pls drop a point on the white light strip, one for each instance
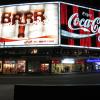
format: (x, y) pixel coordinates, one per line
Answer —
(59, 26)
(68, 61)
(21, 4)
(79, 46)
(10, 46)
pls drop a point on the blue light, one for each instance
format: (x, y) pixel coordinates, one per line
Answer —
(93, 60)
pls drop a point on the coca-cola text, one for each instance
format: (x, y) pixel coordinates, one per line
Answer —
(75, 23)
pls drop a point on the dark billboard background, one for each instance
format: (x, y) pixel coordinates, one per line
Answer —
(67, 11)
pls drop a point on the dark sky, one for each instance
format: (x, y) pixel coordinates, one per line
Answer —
(88, 3)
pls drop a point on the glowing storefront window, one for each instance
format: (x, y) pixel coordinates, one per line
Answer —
(68, 60)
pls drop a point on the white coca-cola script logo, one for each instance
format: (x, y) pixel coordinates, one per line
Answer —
(84, 24)
(87, 25)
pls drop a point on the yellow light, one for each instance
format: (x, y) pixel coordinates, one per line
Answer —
(34, 51)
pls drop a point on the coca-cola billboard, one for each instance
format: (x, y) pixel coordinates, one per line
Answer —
(80, 26)
(29, 24)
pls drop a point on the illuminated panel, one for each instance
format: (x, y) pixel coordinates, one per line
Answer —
(93, 60)
(29, 24)
(68, 60)
(80, 26)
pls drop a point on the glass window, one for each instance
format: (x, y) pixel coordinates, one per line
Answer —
(9, 67)
(44, 67)
(0, 66)
(20, 66)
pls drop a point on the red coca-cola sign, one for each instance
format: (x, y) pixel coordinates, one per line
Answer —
(80, 26)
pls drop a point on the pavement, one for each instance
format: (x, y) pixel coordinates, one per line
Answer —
(6, 92)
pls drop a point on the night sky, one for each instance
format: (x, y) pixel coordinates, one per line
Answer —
(88, 3)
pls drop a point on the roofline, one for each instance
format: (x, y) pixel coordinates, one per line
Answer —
(49, 3)
(19, 4)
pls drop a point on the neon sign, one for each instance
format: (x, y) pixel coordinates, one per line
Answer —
(93, 60)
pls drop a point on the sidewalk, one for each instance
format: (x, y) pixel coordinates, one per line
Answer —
(44, 74)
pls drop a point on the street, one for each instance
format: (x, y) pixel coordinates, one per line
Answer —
(7, 83)
(64, 79)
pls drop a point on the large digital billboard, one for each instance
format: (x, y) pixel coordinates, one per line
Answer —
(29, 24)
(80, 26)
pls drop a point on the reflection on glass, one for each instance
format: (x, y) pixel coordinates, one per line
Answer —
(21, 66)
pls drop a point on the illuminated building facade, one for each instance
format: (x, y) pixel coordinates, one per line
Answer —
(49, 37)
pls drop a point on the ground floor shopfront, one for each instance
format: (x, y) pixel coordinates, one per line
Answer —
(47, 65)
(77, 65)
(47, 60)
(23, 65)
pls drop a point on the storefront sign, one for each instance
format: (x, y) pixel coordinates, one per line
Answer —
(80, 26)
(79, 62)
(93, 60)
(29, 24)
(68, 60)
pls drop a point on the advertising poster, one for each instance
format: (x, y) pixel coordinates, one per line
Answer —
(80, 26)
(29, 24)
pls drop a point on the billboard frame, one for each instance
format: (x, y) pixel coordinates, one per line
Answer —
(83, 47)
(35, 45)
